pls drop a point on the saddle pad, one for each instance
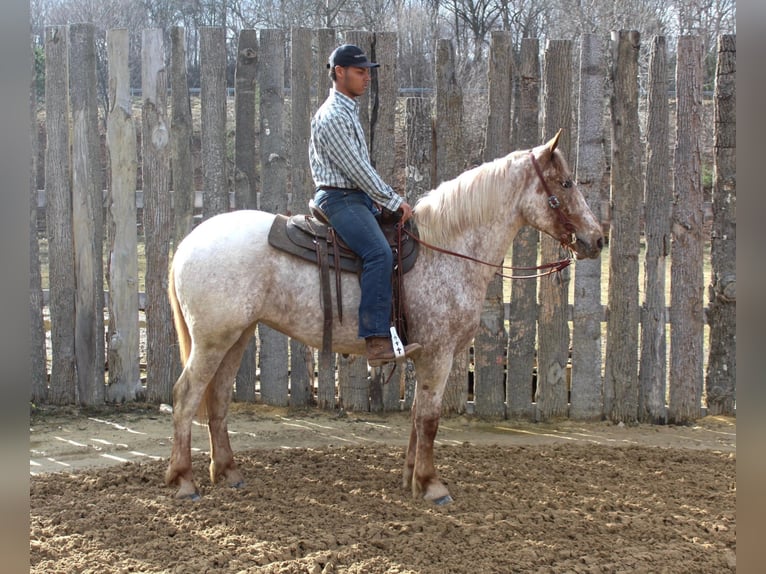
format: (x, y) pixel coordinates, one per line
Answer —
(298, 235)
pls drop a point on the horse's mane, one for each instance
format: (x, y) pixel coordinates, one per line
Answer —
(466, 201)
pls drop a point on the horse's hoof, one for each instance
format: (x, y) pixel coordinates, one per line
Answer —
(443, 501)
(193, 497)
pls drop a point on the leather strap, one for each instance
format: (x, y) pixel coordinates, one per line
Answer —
(336, 258)
(324, 278)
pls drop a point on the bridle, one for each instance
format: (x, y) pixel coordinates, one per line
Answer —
(553, 201)
(545, 269)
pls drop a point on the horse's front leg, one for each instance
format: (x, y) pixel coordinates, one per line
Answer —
(419, 470)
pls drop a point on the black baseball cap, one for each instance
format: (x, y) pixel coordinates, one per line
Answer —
(350, 55)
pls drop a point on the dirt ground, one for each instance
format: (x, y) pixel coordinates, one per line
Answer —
(324, 495)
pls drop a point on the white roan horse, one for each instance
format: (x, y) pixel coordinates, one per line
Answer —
(225, 278)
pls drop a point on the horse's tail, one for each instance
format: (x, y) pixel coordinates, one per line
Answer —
(182, 330)
(183, 336)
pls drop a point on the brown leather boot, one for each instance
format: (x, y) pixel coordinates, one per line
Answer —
(380, 351)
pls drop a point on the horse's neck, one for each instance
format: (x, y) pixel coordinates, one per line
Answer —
(488, 243)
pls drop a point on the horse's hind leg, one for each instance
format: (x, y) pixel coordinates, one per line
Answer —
(187, 394)
(218, 397)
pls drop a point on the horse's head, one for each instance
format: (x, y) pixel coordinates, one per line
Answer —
(555, 204)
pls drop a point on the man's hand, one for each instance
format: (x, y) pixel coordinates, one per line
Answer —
(406, 210)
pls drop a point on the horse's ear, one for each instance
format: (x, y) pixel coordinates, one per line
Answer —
(554, 141)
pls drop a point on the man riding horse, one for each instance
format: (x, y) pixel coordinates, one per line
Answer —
(348, 189)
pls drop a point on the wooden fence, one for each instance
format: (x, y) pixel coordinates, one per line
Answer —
(544, 354)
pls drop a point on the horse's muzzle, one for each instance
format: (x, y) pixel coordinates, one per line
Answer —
(588, 249)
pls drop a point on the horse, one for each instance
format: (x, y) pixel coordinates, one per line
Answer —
(225, 279)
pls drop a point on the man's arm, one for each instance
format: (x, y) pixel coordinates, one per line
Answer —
(343, 151)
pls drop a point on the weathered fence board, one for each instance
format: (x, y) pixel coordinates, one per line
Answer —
(325, 44)
(273, 197)
(586, 384)
(721, 384)
(61, 277)
(382, 141)
(418, 174)
(491, 339)
(213, 120)
(657, 193)
(449, 163)
(87, 216)
(522, 327)
(245, 175)
(621, 368)
(301, 356)
(122, 267)
(553, 290)
(686, 336)
(37, 353)
(162, 361)
(181, 138)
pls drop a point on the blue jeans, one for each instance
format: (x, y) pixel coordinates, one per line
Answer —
(352, 215)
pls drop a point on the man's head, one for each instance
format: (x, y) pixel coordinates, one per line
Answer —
(349, 55)
(350, 69)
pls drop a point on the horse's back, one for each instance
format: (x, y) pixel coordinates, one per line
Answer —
(223, 249)
(225, 229)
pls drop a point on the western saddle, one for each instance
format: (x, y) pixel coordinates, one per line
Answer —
(311, 237)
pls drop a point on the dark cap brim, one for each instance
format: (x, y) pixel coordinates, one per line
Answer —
(365, 65)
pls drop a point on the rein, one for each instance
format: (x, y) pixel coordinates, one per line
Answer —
(549, 268)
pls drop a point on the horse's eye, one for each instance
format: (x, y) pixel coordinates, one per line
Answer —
(566, 184)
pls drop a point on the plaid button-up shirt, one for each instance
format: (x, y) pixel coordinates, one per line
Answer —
(338, 152)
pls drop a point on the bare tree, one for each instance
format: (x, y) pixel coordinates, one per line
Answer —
(477, 18)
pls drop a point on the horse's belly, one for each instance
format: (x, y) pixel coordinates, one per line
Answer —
(293, 305)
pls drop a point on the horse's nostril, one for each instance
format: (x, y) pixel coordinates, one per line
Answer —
(600, 242)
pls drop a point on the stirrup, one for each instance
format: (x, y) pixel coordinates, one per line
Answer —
(396, 342)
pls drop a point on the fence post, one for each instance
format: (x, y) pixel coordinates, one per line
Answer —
(58, 195)
(553, 327)
(87, 215)
(652, 370)
(722, 313)
(271, 83)
(449, 164)
(325, 44)
(353, 373)
(181, 138)
(161, 365)
(382, 144)
(491, 339)
(122, 268)
(326, 367)
(301, 356)
(37, 360)
(245, 196)
(364, 40)
(621, 372)
(213, 119)
(418, 175)
(523, 306)
(586, 386)
(686, 313)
